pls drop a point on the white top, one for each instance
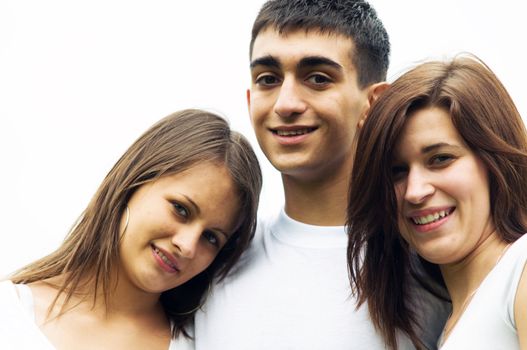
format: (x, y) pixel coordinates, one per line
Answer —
(18, 330)
(488, 321)
(290, 291)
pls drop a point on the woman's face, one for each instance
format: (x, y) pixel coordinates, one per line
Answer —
(442, 189)
(177, 226)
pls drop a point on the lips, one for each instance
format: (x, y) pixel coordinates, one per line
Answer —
(166, 260)
(431, 217)
(293, 132)
(292, 135)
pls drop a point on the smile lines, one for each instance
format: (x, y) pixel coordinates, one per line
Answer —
(427, 219)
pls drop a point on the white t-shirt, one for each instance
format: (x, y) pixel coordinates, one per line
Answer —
(488, 321)
(291, 291)
(18, 329)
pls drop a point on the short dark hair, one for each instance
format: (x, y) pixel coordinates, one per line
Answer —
(355, 19)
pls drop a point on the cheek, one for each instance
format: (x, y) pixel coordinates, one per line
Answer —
(258, 107)
(402, 222)
(205, 257)
(404, 230)
(400, 190)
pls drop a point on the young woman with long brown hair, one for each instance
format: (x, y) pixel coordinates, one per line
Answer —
(441, 170)
(174, 214)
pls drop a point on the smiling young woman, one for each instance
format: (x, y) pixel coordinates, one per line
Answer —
(174, 213)
(440, 171)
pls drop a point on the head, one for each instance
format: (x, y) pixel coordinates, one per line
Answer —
(172, 148)
(354, 19)
(468, 108)
(316, 66)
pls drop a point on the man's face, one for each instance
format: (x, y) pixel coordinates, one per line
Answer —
(305, 102)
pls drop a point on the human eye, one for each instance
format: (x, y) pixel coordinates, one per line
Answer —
(319, 80)
(442, 159)
(399, 172)
(211, 238)
(180, 210)
(267, 80)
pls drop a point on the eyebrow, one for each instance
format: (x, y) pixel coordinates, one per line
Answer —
(312, 61)
(306, 62)
(435, 146)
(196, 208)
(268, 61)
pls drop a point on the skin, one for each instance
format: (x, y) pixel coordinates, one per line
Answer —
(435, 171)
(305, 83)
(520, 305)
(177, 213)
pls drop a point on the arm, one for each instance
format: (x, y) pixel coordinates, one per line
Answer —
(520, 310)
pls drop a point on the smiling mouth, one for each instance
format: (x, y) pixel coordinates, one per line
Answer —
(295, 132)
(165, 259)
(431, 218)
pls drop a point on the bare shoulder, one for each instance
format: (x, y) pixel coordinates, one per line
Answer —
(520, 309)
(43, 293)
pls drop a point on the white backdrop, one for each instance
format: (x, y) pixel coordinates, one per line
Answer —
(81, 80)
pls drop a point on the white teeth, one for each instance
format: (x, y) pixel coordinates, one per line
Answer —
(292, 132)
(427, 219)
(164, 258)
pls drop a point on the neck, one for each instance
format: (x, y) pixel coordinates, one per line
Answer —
(122, 299)
(321, 202)
(463, 278)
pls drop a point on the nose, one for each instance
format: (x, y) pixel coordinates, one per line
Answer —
(419, 186)
(289, 102)
(186, 240)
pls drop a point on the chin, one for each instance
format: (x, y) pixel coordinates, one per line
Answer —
(435, 257)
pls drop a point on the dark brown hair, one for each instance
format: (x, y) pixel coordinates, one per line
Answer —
(489, 123)
(172, 145)
(355, 19)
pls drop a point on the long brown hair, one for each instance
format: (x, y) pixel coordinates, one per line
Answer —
(172, 145)
(486, 118)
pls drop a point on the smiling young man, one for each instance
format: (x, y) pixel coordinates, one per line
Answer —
(316, 67)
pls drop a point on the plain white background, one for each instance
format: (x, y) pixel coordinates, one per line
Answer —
(81, 80)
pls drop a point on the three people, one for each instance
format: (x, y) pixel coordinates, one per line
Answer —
(316, 66)
(440, 170)
(174, 213)
(315, 73)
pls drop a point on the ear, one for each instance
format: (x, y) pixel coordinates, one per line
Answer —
(374, 91)
(248, 96)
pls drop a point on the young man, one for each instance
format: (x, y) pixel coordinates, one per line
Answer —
(316, 67)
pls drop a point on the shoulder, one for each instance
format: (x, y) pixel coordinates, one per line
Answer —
(520, 301)
(6, 286)
(14, 326)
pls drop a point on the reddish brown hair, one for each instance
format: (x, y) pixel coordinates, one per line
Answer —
(486, 118)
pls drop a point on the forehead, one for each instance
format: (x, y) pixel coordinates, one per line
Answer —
(428, 126)
(292, 46)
